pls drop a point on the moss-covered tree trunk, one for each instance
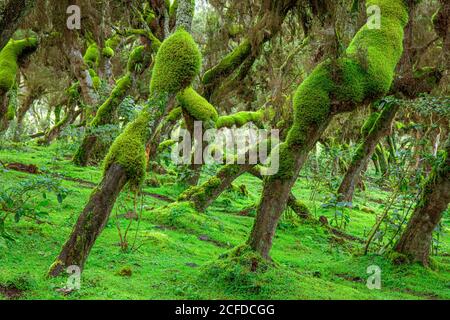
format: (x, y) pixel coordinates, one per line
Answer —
(415, 242)
(365, 150)
(204, 195)
(91, 221)
(177, 63)
(364, 74)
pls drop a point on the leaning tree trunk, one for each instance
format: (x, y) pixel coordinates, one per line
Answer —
(91, 221)
(365, 150)
(126, 161)
(364, 74)
(415, 242)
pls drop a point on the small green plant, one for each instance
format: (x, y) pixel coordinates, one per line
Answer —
(28, 199)
(341, 210)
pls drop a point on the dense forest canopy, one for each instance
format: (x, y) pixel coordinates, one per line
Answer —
(268, 149)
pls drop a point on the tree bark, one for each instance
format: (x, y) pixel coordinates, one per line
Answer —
(11, 15)
(91, 221)
(276, 192)
(81, 72)
(97, 211)
(365, 150)
(415, 242)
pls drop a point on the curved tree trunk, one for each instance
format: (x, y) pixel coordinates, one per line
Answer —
(415, 242)
(322, 95)
(365, 150)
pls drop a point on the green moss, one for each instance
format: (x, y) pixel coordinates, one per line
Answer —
(174, 115)
(106, 110)
(137, 57)
(197, 106)
(177, 63)
(229, 63)
(96, 82)
(240, 119)
(92, 56)
(9, 56)
(12, 103)
(113, 42)
(110, 46)
(165, 145)
(379, 50)
(125, 272)
(366, 72)
(108, 52)
(173, 9)
(199, 194)
(300, 208)
(368, 124)
(74, 91)
(128, 150)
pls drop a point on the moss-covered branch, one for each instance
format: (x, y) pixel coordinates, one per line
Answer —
(364, 73)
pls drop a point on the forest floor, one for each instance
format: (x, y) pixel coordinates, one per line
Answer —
(176, 249)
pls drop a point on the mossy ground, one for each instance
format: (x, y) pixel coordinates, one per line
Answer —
(179, 249)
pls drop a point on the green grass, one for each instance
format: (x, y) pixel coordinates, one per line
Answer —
(179, 249)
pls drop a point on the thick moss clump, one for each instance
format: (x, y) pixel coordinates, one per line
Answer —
(229, 63)
(240, 119)
(240, 269)
(108, 52)
(379, 50)
(96, 82)
(9, 56)
(166, 144)
(92, 56)
(197, 106)
(128, 150)
(177, 63)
